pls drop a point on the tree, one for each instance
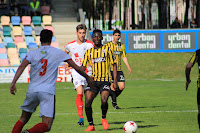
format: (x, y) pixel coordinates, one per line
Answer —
(186, 13)
(133, 14)
(198, 14)
(111, 4)
(125, 14)
(162, 8)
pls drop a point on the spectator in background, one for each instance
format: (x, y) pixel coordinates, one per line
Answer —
(49, 3)
(35, 8)
(176, 24)
(23, 8)
(193, 24)
(4, 8)
(13, 7)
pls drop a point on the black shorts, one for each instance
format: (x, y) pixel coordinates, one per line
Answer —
(99, 86)
(120, 76)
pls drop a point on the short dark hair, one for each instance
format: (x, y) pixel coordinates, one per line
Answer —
(116, 31)
(96, 31)
(81, 27)
(46, 36)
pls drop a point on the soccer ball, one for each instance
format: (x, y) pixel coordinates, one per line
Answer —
(130, 127)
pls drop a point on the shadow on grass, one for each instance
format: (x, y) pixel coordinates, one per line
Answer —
(148, 126)
(143, 107)
(119, 122)
(121, 128)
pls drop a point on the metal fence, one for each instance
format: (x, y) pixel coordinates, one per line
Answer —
(140, 14)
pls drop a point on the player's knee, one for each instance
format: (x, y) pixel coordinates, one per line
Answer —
(104, 101)
(88, 103)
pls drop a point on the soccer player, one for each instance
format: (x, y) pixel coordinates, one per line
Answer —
(100, 58)
(44, 68)
(195, 58)
(77, 48)
(118, 50)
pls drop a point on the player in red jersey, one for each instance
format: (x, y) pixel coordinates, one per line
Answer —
(78, 48)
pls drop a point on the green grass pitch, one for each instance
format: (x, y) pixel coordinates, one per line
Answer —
(157, 106)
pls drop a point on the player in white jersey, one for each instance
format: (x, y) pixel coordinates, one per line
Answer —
(41, 91)
(78, 48)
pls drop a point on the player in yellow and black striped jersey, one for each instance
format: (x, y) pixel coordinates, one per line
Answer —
(195, 58)
(100, 58)
(118, 51)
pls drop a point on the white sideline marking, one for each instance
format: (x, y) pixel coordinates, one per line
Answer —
(64, 88)
(164, 80)
(137, 112)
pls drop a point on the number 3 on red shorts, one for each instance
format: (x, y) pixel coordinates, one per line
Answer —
(45, 61)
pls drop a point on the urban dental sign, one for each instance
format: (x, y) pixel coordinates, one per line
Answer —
(144, 41)
(179, 41)
(157, 41)
(108, 38)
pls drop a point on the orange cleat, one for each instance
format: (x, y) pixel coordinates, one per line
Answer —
(90, 128)
(105, 124)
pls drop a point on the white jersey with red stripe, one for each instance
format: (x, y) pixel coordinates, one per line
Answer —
(44, 68)
(78, 51)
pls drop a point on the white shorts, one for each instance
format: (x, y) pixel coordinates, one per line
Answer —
(46, 101)
(79, 80)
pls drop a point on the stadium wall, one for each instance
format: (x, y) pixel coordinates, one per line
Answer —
(7, 75)
(157, 41)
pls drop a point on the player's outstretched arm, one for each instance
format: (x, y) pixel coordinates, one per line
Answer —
(81, 72)
(20, 70)
(127, 64)
(187, 74)
(115, 76)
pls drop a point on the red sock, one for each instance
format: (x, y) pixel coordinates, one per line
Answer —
(18, 127)
(39, 128)
(79, 105)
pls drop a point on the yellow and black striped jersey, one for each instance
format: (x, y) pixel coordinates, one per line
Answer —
(118, 51)
(196, 58)
(100, 59)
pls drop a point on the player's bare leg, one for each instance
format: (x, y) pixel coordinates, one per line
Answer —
(104, 108)
(25, 116)
(79, 104)
(89, 97)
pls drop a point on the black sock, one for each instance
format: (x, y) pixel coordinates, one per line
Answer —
(118, 92)
(114, 97)
(88, 112)
(104, 109)
(199, 120)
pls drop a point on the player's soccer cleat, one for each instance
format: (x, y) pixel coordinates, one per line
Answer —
(90, 128)
(105, 124)
(81, 121)
(25, 131)
(116, 107)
